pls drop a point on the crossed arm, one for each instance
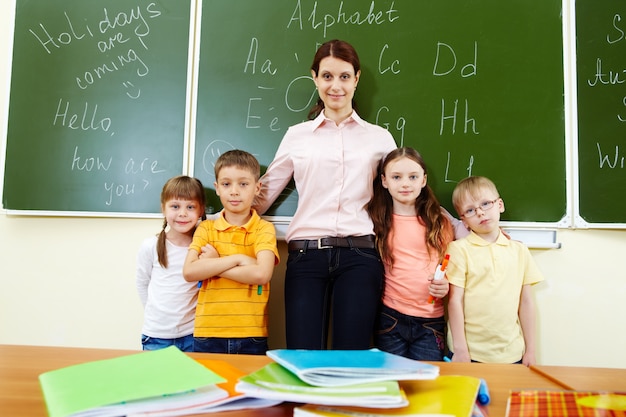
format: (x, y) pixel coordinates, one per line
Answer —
(238, 267)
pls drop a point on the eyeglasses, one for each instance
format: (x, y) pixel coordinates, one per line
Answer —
(484, 206)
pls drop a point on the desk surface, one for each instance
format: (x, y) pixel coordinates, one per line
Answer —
(585, 379)
(20, 366)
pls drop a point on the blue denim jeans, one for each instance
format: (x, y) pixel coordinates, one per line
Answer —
(413, 337)
(241, 345)
(184, 343)
(343, 282)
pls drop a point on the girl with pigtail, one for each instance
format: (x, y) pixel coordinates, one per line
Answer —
(169, 301)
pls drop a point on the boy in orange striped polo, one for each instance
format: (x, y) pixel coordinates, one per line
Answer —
(233, 256)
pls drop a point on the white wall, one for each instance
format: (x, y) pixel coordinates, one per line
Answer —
(70, 281)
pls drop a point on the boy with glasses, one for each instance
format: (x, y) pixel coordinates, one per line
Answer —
(491, 311)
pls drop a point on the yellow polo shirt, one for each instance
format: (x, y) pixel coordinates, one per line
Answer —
(492, 275)
(227, 308)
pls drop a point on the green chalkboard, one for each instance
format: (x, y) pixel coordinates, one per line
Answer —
(98, 104)
(477, 87)
(601, 64)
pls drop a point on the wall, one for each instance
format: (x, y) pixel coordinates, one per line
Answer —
(70, 281)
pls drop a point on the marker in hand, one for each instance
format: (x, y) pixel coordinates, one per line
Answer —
(439, 273)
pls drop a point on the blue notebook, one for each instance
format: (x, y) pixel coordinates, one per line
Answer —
(328, 368)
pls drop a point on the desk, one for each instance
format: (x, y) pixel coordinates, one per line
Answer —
(585, 379)
(20, 366)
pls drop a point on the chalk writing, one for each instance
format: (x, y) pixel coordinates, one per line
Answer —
(86, 117)
(467, 170)
(60, 39)
(604, 78)
(443, 68)
(90, 163)
(117, 190)
(469, 123)
(610, 76)
(305, 101)
(619, 35)
(98, 73)
(211, 153)
(134, 17)
(449, 65)
(324, 21)
(266, 67)
(615, 160)
(383, 68)
(88, 120)
(399, 125)
(145, 165)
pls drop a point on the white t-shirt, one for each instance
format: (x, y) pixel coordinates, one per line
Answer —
(169, 301)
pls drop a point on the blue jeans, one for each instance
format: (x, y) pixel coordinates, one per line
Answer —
(241, 345)
(184, 343)
(343, 282)
(413, 337)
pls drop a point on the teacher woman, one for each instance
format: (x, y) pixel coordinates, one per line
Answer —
(334, 273)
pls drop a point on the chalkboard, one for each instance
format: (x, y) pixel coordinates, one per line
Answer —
(477, 87)
(97, 112)
(601, 64)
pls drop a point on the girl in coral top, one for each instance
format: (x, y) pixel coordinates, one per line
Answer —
(412, 233)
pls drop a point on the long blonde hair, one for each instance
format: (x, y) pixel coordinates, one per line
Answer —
(184, 188)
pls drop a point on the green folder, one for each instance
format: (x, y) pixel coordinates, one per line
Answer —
(122, 381)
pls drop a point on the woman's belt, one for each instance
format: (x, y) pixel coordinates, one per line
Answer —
(361, 242)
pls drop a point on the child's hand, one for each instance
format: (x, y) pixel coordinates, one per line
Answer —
(208, 251)
(529, 358)
(439, 288)
(461, 356)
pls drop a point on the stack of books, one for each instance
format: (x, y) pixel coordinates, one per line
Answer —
(361, 383)
(336, 377)
(330, 383)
